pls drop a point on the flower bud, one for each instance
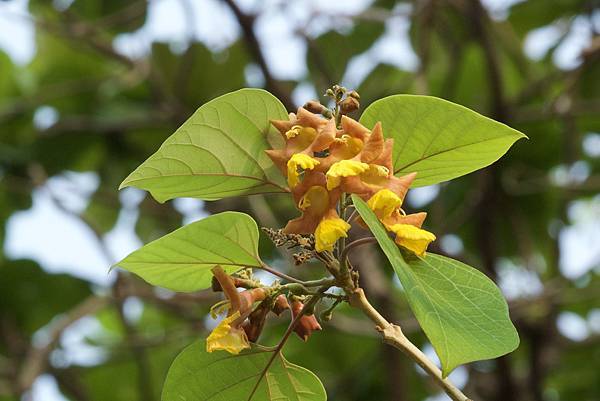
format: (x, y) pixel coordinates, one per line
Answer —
(349, 105)
(255, 323)
(306, 324)
(281, 305)
(354, 94)
(314, 106)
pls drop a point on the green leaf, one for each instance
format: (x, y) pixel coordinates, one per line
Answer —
(218, 152)
(197, 375)
(181, 260)
(438, 139)
(461, 310)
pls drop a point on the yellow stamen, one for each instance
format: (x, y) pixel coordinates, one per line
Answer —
(344, 168)
(413, 238)
(293, 132)
(328, 232)
(317, 198)
(301, 160)
(227, 338)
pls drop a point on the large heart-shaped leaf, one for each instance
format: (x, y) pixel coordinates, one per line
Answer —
(461, 310)
(438, 139)
(218, 152)
(181, 260)
(197, 375)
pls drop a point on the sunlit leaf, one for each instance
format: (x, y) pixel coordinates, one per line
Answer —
(438, 139)
(218, 152)
(197, 375)
(461, 310)
(181, 260)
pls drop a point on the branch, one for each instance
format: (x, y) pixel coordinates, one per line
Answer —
(393, 335)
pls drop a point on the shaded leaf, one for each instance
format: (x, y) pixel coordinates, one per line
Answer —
(218, 152)
(461, 310)
(181, 260)
(438, 139)
(197, 375)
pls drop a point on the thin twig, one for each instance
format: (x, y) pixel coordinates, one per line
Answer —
(392, 335)
(313, 300)
(274, 272)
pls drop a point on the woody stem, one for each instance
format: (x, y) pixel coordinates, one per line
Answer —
(393, 335)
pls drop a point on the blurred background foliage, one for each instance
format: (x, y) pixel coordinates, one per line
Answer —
(106, 81)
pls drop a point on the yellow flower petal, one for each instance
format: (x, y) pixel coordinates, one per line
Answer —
(227, 338)
(413, 238)
(384, 202)
(344, 168)
(328, 232)
(299, 160)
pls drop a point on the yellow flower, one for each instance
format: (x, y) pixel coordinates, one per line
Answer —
(299, 160)
(344, 168)
(307, 134)
(328, 232)
(412, 238)
(227, 338)
(384, 202)
(348, 147)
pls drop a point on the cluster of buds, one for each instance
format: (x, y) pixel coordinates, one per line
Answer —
(245, 319)
(306, 243)
(323, 160)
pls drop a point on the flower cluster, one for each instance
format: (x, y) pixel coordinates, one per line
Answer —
(323, 161)
(247, 312)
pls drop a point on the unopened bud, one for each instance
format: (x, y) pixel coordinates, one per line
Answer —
(306, 324)
(349, 105)
(314, 107)
(255, 323)
(281, 304)
(354, 94)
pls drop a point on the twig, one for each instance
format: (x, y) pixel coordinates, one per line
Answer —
(274, 272)
(313, 300)
(393, 335)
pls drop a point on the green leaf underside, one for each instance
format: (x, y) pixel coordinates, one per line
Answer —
(438, 139)
(197, 375)
(461, 310)
(218, 152)
(182, 260)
